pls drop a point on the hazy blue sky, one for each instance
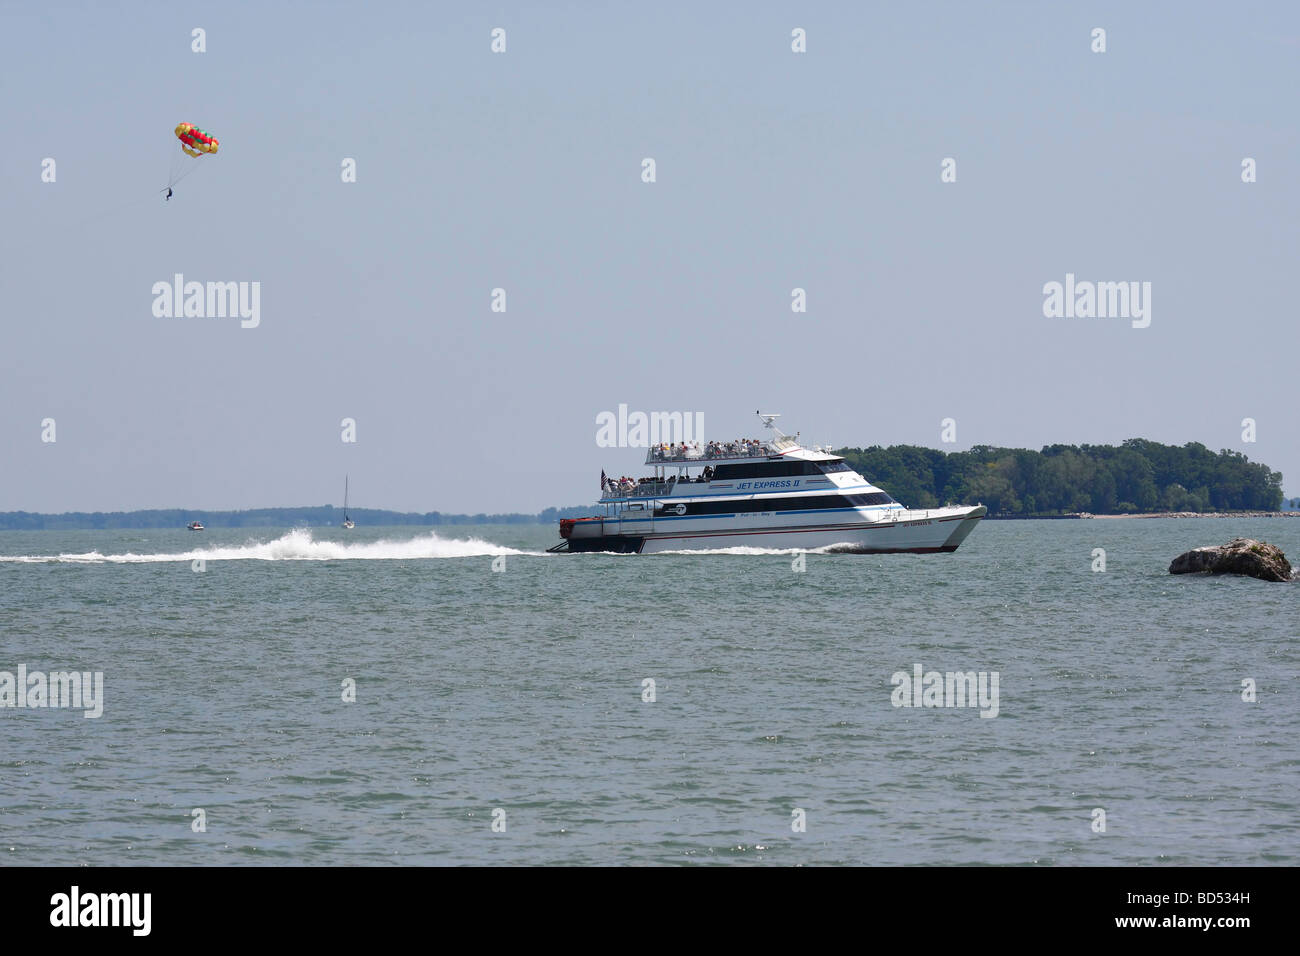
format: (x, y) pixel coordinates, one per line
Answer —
(522, 170)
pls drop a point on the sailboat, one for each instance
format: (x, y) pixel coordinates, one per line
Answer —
(347, 522)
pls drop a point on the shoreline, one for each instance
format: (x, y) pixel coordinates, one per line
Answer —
(1148, 514)
(1203, 514)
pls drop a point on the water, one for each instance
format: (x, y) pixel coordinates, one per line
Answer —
(521, 690)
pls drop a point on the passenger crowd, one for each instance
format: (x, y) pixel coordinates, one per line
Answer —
(628, 486)
(684, 451)
(739, 448)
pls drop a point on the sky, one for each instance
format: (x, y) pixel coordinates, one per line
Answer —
(522, 170)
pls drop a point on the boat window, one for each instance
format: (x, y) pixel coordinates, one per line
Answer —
(830, 467)
(765, 469)
(874, 498)
(772, 503)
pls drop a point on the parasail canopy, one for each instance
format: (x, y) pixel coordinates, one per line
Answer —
(195, 141)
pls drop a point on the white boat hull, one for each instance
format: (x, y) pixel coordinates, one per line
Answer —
(875, 532)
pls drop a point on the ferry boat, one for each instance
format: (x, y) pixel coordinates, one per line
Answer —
(770, 493)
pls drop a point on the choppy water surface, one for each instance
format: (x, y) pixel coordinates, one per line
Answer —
(521, 690)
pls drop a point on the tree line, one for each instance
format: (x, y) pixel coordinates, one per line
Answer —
(1135, 476)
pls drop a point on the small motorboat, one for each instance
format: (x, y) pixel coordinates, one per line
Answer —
(195, 526)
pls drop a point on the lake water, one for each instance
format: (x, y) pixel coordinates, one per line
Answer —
(520, 690)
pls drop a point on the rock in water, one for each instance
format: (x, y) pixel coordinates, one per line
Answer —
(1238, 556)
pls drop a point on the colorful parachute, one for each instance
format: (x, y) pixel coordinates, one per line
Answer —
(196, 141)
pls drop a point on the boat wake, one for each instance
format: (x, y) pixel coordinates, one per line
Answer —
(297, 545)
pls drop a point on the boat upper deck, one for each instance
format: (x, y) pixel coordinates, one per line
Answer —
(742, 449)
(723, 462)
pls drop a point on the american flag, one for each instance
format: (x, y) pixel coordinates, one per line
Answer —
(603, 480)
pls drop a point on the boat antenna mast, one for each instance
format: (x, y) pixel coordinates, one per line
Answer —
(769, 421)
